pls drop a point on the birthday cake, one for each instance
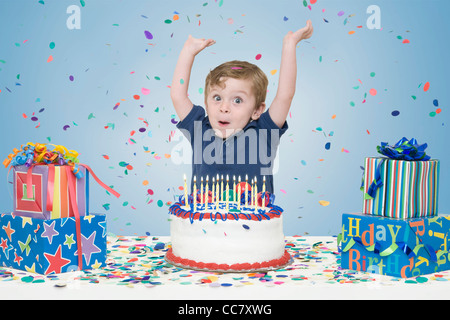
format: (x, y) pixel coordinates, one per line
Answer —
(229, 230)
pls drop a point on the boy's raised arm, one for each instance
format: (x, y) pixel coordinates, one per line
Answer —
(180, 81)
(279, 109)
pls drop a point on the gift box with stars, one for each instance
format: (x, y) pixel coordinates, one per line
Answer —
(51, 229)
(50, 246)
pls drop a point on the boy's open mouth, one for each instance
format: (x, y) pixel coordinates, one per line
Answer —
(223, 123)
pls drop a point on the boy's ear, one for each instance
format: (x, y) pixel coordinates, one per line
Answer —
(258, 111)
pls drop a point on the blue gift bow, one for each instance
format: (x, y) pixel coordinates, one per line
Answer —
(404, 149)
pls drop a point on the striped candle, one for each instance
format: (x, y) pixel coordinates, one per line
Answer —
(410, 188)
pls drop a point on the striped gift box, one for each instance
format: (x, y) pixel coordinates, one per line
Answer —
(408, 189)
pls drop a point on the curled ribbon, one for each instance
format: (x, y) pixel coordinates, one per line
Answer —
(402, 246)
(404, 149)
(39, 153)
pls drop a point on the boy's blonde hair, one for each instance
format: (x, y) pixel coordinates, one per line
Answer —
(239, 70)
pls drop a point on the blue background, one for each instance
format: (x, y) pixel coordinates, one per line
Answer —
(111, 60)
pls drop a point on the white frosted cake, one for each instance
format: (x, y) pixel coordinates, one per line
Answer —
(226, 235)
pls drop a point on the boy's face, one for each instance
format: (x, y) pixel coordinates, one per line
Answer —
(232, 107)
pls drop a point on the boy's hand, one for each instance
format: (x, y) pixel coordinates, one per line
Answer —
(194, 45)
(301, 34)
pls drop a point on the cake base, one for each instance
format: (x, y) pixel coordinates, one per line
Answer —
(275, 264)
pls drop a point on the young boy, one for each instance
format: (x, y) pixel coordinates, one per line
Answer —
(236, 138)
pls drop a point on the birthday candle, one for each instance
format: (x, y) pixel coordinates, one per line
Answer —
(221, 188)
(226, 194)
(256, 194)
(239, 197)
(263, 192)
(185, 192)
(206, 192)
(234, 188)
(213, 194)
(251, 194)
(201, 190)
(217, 193)
(195, 194)
(246, 190)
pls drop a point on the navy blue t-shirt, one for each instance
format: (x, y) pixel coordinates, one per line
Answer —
(250, 151)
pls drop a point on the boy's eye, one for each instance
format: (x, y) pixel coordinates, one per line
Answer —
(216, 98)
(237, 100)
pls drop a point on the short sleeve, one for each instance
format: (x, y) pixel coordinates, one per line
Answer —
(265, 121)
(187, 124)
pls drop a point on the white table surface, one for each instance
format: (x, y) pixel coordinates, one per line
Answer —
(314, 274)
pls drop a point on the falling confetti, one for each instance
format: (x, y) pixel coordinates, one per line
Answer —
(148, 35)
(324, 203)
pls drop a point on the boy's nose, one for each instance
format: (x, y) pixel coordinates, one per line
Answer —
(225, 107)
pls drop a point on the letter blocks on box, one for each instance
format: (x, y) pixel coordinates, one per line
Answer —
(401, 248)
(50, 246)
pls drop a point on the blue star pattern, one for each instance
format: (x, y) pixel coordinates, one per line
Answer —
(50, 246)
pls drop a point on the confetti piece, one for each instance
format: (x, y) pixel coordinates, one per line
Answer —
(258, 56)
(324, 203)
(345, 150)
(148, 35)
(145, 91)
(435, 102)
(51, 45)
(395, 113)
(136, 97)
(282, 190)
(426, 87)
(273, 71)
(327, 146)
(405, 41)
(340, 13)
(373, 92)
(66, 127)
(50, 58)
(351, 32)
(71, 78)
